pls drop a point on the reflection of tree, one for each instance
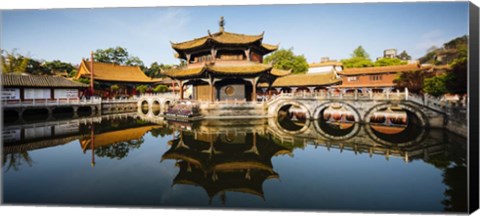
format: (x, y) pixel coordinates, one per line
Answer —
(456, 193)
(161, 131)
(454, 166)
(15, 160)
(119, 150)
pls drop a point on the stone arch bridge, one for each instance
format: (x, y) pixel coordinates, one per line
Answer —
(153, 102)
(430, 113)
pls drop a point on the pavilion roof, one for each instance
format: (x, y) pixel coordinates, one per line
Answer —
(10, 80)
(222, 37)
(115, 73)
(315, 79)
(250, 69)
(114, 137)
(383, 69)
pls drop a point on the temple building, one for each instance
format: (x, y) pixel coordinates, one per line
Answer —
(35, 87)
(224, 66)
(318, 78)
(124, 78)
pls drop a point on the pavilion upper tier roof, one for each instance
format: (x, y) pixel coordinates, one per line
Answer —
(226, 38)
(251, 69)
(115, 73)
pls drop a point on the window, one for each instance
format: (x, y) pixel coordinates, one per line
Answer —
(375, 77)
(352, 78)
(203, 58)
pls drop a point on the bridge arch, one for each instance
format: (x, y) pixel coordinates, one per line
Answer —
(412, 133)
(409, 108)
(156, 107)
(301, 130)
(318, 109)
(295, 103)
(348, 134)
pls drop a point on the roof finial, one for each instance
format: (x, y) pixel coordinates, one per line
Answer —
(221, 24)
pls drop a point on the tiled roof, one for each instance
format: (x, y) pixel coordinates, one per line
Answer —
(222, 37)
(269, 47)
(184, 72)
(279, 72)
(328, 63)
(383, 69)
(38, 81)
(317, 79)
(114, 72)
(113, 137)
(225, 70)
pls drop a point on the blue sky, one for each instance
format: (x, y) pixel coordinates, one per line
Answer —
(314, 30)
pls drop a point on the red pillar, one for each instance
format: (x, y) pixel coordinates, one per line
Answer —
(92, 142)
(92, 89)
(181, 90)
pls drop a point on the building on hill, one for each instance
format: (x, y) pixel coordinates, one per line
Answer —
(125, 78)
(390, 53)
(325, 66)
(224, 66)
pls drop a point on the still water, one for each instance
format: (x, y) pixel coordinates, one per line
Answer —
(125, 160)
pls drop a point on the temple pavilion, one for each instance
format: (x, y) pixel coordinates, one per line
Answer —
(125, 78)
(224, 66)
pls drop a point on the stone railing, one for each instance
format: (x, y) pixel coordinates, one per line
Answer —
(51, 102)
(121, 100)
(339, 95)
(438, 105)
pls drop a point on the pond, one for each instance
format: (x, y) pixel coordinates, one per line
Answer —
(128, 160)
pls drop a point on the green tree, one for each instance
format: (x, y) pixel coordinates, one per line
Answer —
(360, 53)
(117, 55)
(12, 62)
(457, 77)
(404, 56)
(285, 59)
(142, 88)
(84, 80)
(155, 70)
(36, 67)
(57, 66)
(436, 85)
(114, 88)
(413, 80)
(160, 89)
(357, 62)
(389, 62)
(359, 58)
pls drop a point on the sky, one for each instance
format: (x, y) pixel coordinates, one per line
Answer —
(313, 30)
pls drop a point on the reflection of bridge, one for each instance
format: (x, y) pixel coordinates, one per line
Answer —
(359, 139)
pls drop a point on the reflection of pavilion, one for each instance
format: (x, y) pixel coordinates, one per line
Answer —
(130, 136)
(224, 162)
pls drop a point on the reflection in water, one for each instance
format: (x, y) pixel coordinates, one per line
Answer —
(224, 162)
(228, 158)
